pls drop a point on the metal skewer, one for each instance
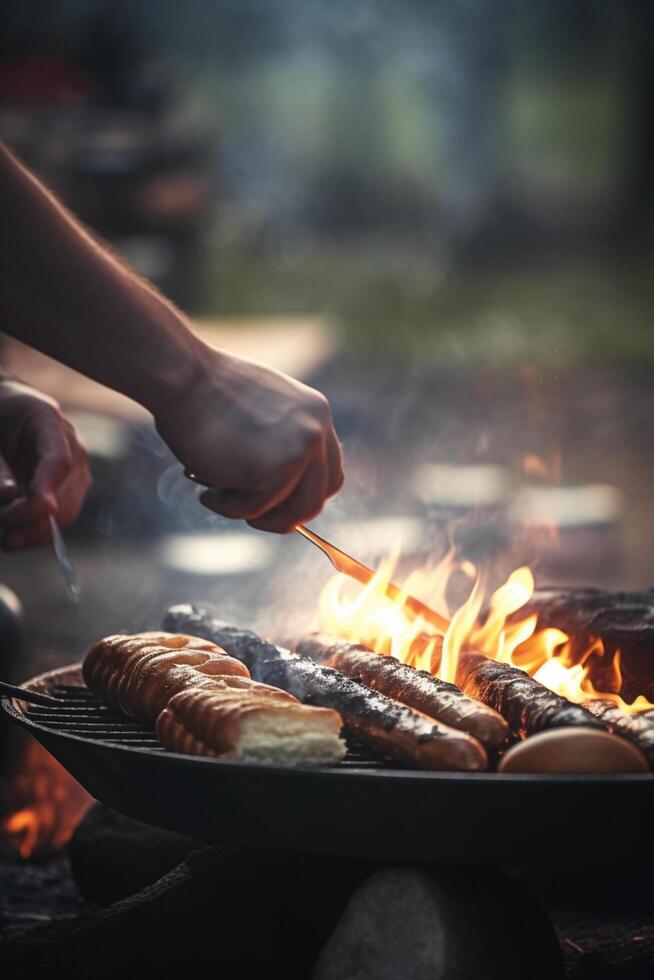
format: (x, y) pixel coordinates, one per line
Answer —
(347, 565)
(65, 564)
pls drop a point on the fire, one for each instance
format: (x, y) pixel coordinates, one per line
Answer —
(45, 805)
(366, 615)
(549, 470)
(574, 683)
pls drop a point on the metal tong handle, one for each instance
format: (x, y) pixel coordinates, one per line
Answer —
(24, 694)
(67, 569)
(347, 565)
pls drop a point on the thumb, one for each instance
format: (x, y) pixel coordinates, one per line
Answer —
(9, 488)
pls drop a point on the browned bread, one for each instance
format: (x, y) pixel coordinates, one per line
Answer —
(204, 702)
(242, 719)
(139, 674)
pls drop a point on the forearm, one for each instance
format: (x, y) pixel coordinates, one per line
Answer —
(67, 296)
(263, 442)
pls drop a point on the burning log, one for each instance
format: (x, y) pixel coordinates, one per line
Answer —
(638, 729)
(416, 688)
(621, 620)
(526, 704)
(386, 725)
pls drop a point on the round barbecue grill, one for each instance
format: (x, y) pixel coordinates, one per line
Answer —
(366, 807)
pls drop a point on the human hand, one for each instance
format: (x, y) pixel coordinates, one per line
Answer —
(263, 442)
(43, 466)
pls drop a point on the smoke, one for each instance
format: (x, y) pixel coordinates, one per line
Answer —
(180, 498)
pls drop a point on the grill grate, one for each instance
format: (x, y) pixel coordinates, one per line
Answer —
(80, 713)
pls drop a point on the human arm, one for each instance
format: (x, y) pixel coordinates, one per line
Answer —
(264, 441)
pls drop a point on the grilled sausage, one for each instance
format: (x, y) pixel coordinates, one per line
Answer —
(527, 705)
(379, 721)
(638, 729)
(416, 688)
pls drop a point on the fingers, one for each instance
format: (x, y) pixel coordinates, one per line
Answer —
(322, 479)
(245, 506)
(57, 485)
(27, 523)
(48, 446)
(297, 500)
(241, 505)
(71, 494)
(334, 464)
(304, 503)
(32, 536)
(25, 510)
(54, 459)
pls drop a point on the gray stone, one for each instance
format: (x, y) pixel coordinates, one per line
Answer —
(447, 924)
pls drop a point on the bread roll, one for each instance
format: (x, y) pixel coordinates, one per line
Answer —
(139, 674)
(250, 722)
(204, 702)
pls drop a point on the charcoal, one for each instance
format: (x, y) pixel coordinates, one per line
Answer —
(600, 947)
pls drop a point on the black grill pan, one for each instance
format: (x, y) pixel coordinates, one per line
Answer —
(365, 807)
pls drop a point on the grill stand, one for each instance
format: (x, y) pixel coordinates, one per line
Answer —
(379, 812)
(256, 912)
(365, 807)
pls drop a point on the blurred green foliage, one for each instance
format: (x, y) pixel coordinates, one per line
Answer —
(405, 306)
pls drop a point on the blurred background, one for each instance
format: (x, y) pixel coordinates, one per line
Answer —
(439, 213)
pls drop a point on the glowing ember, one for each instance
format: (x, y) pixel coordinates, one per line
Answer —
(45, 805)
(367, 616)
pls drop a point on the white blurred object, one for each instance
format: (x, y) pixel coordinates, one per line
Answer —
(297, 345)
(231, 553)
(480, 485)
(101, 435)
(377, 536)
(566, 507)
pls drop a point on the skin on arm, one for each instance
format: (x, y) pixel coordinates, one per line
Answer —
(264, 441)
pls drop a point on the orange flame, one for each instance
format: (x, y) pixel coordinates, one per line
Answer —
(546, 469)
(44, 804)
(367, 616)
